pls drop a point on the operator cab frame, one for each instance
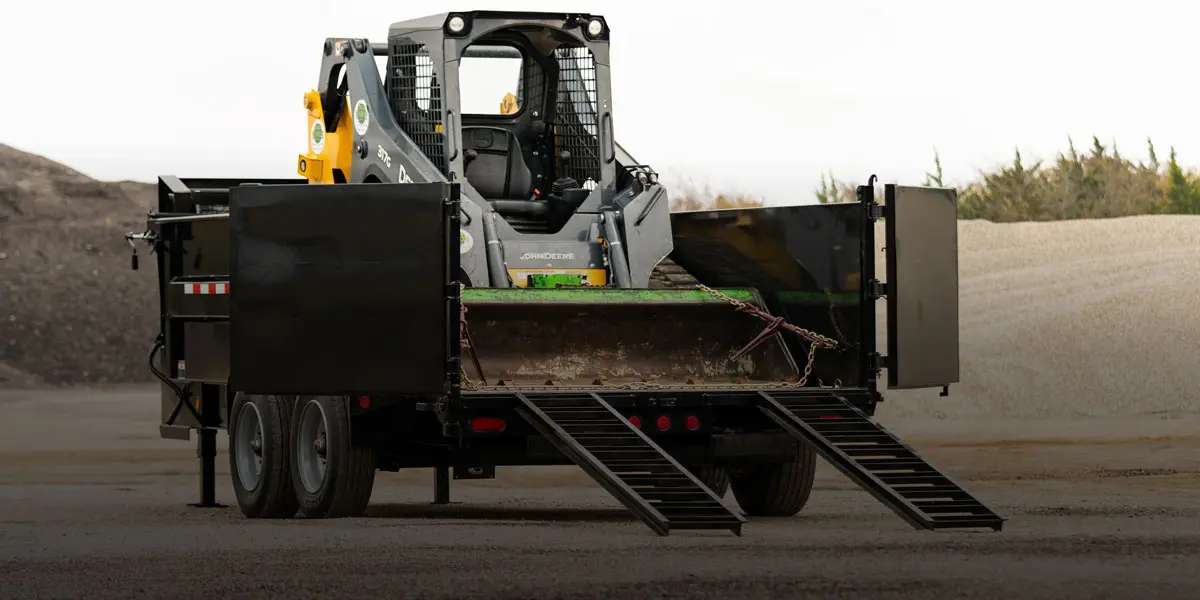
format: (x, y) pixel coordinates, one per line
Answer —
(547, 150)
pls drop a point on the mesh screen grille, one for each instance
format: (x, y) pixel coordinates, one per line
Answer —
(416, 99)
(533, 78)
(575, 120)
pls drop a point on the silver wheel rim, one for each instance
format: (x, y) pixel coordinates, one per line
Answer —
(248, 444)
(312, 446)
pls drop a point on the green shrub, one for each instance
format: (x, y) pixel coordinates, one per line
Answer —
(1096, 184)
(1093, 185)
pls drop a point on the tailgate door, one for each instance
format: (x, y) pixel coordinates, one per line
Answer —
(921, 226)
(343, 289)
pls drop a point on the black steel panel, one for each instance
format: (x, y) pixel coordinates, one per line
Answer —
(206, 351)
(806, 261)
(342, 289)
(205, 248)
(922, 285)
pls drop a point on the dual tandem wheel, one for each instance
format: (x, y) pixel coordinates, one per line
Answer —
(293, 455)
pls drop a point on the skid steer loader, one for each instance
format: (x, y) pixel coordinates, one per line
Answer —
(471, 272)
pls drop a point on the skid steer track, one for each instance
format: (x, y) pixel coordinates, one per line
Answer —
(669, 275)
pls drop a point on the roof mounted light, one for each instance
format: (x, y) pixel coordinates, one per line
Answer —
(456, 24)
(595, 27)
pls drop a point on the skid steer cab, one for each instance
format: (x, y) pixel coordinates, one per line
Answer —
(517, 109)
(451, 289)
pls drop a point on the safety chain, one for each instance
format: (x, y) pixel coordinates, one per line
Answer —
(833, 320)
(467, 344)
(815, 340)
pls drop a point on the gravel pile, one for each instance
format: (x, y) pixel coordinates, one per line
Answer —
(71, 310)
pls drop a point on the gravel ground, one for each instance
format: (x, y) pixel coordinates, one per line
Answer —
(93, 504)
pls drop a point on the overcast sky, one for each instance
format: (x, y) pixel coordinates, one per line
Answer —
(758, 96)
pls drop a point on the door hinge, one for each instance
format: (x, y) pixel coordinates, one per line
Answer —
(877, 289)
(877, 361)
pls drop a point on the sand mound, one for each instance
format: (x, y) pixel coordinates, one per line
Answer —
(1074, 318)
(71, 310)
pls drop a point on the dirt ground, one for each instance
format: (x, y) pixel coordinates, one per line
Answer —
(93, 504)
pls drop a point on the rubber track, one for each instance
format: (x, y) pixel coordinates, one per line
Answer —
(668, 275)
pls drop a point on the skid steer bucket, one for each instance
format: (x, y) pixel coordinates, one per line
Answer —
(609, 337)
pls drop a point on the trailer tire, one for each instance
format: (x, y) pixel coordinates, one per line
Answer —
(260, 457)
(716, 478)
(776, 489)
(340, 484)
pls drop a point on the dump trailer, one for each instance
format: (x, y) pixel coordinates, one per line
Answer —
(464, 280)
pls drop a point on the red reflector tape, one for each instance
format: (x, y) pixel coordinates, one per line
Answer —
(204, 289)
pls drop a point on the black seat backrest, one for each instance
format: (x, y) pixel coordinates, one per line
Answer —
(499, 170)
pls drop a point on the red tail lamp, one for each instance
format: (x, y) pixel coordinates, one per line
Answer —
(487, 425)
(664, 423)
(693, 422)
(364, 402)
(636, 422)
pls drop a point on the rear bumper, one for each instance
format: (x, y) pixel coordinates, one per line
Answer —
(719, 447)
(668, 396)
(535, 450)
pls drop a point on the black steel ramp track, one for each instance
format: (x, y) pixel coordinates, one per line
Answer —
(639, 473)
(878, 461)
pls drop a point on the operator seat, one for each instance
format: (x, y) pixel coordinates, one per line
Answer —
(496, 168)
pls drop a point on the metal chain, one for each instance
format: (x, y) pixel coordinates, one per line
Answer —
(815, 339)
(833, 320)
(811, 336)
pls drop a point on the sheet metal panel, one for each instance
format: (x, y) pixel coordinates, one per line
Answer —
(921, 225)
(341, 289)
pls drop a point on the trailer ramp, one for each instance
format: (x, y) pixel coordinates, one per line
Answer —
(639, 473)
(877, 461)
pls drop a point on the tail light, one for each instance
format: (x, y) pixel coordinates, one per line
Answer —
(664, 423)
(487, 425)
(693, 422)
(636, 422)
